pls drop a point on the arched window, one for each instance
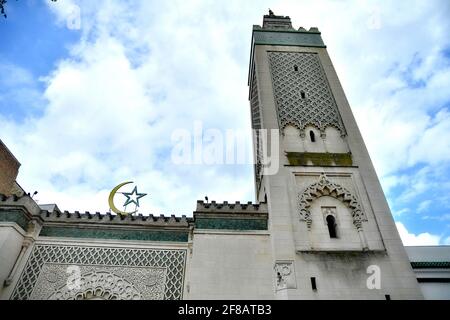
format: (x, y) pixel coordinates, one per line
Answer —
(295, 68)
(303, 94)
(312, 136)
(331, 222)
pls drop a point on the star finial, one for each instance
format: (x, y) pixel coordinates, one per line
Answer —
(133, 197)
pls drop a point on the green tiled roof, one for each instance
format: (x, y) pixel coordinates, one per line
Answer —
(231, 224)
(16, 216)
(118, 234)
(431, 264)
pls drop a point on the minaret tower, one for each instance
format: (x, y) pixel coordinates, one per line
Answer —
(332, 233)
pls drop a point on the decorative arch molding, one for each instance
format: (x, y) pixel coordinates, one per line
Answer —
(100, 286)
(325, 187)
(302, 128)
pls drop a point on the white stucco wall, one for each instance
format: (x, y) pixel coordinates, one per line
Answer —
(230, 265)
(11, 238)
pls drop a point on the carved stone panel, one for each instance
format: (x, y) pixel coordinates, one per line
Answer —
(135, 273)
(56, 282)
(285, 275)
(326, 187)
(302, 94)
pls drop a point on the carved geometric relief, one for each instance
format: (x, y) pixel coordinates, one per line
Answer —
(302, 93)
(325, 187)
(136, 273)
(108, 283)
(254, 103)
(285, 275)
(256, 126)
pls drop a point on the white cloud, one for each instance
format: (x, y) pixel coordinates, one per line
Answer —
(423, 239)
(443, 217)
(401, 212)
(16, 76)
(433, 147)
(109, 119)
(137, 74)
(424, 205)
(18, 89)
(447, 241)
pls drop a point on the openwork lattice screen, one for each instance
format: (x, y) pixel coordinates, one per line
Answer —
(302, 93)
(106, 273)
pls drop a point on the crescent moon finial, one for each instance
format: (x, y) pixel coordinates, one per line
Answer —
(111, 199)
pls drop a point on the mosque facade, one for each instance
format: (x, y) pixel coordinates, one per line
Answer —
(320, 227)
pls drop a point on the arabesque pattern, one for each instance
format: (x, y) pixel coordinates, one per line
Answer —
(173, 261)
(302, 93)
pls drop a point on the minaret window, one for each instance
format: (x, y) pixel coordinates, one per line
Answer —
(331, 222)
(303, 94)
(295, 68)
(313, 283)
(312, 136)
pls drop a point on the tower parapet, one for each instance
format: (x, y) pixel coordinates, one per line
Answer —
(231, 216)
(272, 21)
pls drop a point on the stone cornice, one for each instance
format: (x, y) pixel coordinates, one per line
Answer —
(109, 219)
(231, 216)
(25, 202)
(213, 215)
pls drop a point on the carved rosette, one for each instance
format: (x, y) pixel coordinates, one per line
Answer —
(325, 187)
(99, 285)
(285, 275)
(104, 273)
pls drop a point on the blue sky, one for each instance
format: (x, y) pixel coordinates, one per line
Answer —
(84, 109)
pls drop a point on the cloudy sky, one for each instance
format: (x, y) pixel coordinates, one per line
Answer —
(88, 103)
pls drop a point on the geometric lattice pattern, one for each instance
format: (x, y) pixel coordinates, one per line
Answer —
(256, 126)
(254, 103)
(63, 282)
(302, 94)
(172, 260)
(325, 187)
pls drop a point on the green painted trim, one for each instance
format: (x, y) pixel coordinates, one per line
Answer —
(319, 159)
(117, 234)
(430, 264)
(433, 280)
(231, 224)
(288, 45)
(16, 216)
(305, 39)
